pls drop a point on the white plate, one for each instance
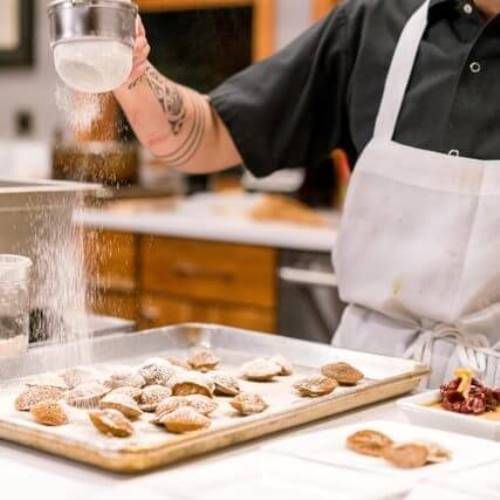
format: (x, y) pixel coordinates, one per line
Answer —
(419, 412)
(269, 476)
(482, 481)
(329, 447)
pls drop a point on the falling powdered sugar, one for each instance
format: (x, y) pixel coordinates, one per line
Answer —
(79, 110)
(62, 290)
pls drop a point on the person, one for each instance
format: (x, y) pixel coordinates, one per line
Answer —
(409, 89)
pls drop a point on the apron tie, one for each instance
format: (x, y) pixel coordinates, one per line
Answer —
(471, 349)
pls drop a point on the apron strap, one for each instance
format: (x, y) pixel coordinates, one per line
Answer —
(399, 73)
(472, 350)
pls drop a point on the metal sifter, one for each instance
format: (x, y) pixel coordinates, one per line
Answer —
(92, 42)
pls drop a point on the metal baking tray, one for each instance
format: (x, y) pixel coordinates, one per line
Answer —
(151, 447)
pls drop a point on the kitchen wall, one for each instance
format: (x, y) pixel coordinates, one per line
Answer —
(33, 89)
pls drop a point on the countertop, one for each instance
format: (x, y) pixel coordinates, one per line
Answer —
(213, 217)
(28, 473)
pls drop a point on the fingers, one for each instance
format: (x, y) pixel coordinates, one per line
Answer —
(141, 50)
(139, 27)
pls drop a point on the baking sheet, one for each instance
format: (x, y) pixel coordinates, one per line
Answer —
(152, 447)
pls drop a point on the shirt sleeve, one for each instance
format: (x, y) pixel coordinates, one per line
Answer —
(290, 110)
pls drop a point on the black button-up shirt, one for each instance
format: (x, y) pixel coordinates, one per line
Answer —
(323, 91)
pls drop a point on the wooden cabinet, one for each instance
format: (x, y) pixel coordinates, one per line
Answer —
(118, 304)
(158, 310)
(209, 271)
(111, 260)
(158, 281)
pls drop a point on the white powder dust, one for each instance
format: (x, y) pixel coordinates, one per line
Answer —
(79, 111)
(61, 279)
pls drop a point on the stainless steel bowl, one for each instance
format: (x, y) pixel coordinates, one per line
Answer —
(77, 20)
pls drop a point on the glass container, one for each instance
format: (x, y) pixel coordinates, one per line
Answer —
(14, 304)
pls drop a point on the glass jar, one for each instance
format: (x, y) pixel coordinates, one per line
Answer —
(14, 304)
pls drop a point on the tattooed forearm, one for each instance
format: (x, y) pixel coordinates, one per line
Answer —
(169, 97)
(185, 152)
(185, 112)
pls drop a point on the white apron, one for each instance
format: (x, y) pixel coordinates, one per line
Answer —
(418, 252)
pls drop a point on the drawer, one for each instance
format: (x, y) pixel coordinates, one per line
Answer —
(158, 311)
(120, 305)
(209, 271)
(111, 259)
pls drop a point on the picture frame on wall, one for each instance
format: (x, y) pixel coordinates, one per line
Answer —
(16, 33)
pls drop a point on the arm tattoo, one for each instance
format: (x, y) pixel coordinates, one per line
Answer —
(169, 97)
(136, 82)
(185, 152)
(167, 94)
(172, 104)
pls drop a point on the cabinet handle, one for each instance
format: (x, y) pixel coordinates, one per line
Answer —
(307, 277)
(191, 271)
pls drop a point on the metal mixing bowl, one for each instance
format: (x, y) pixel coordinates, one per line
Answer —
(77, 20)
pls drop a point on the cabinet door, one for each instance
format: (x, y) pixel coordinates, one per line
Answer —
(120, 305)
(209, 271)
(111, 259)
(157, 310)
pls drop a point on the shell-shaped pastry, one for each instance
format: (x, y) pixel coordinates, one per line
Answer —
(47, 379)
(121, 402)
(368, 442)
(247, 403)
(168, 405)
(50, 413)
(201, 404)
(406, 455)
(35, 394)
(184, 419)
(124, 376)
(203, 360)
(187, 384)
(79, 375)
(133, 392)
(261, 369)
(157, 372)
(179, 362)
(225, 385)
(315, 386)
(86, 395)
(343, 373)
(111, 422)
(286, 366)
(436, 454)
(152, 395)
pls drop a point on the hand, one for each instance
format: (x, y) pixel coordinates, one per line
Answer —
(141, 52)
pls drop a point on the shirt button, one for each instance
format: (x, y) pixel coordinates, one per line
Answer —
(468, 8)
(475, 67)
(454, 152)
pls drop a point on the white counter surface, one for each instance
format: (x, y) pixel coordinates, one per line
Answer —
(30, 474)
(215, 218)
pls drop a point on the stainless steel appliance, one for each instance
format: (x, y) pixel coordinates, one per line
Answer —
(33, 215)
(309, 304)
